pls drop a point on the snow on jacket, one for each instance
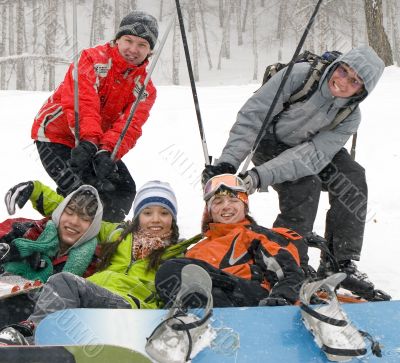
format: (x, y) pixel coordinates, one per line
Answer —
(124, 276)
(108, 86)
(304, 125)
(255, 253)
(78, 256)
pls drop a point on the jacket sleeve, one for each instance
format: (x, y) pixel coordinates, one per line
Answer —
(251, 116)
(281, 268)
(44, 199)
(89, 102)
(110, 137)
(310, 157)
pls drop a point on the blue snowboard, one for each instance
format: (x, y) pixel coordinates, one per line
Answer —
(260, 334)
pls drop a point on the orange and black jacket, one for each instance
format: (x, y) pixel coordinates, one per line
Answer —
(249, 251)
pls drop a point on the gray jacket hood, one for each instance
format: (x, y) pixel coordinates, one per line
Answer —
(365, 62)
(94, 228)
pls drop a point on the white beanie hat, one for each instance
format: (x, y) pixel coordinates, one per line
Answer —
(155, 192)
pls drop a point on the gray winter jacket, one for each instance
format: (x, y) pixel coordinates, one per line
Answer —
(304, 125)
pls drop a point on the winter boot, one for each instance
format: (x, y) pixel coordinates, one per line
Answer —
(17, 334)
(356, 281)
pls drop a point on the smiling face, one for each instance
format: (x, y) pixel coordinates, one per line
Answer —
(133, 49)
(345, 82)
(227, 209)
(155, 220)
(73, 224)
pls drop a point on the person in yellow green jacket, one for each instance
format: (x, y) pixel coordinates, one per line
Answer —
(131, 255)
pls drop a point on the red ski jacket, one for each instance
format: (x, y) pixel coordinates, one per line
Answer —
(108, 86)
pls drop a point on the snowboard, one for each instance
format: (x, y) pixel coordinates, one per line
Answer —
(256, 334)
(70, 354)
(16, 298)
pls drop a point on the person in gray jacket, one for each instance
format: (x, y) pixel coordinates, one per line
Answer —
(303, 154)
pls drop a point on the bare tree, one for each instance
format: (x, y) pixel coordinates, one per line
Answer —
(255, 50)
(3, 46)
(20, 45)
(281, 27)
(160, 14)
(238, 10)
(176, 57)
(393, 7)
(195, 52)
(203, 26)
(246, 10)
(11, 49)
(221, 12)
(50, 33)
(117, 15)
(377, 36)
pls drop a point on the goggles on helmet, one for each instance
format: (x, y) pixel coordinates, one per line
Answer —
(228, 181)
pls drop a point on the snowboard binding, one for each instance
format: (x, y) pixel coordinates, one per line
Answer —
(181, 335)
(333, 331)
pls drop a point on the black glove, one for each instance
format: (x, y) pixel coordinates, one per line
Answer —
(104, 167)
(213, 170)
(251, 180)
(82, 155)
(273, 301)
(18, 195)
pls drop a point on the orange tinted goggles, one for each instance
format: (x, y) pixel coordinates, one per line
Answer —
(229, 181)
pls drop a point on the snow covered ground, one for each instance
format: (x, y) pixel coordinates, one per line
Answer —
(170, 150)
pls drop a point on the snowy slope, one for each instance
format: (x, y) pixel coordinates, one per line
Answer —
(170, 150)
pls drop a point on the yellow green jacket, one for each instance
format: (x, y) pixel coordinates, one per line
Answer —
(123, 276)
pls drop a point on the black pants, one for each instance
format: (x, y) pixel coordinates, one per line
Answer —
(227, 290)
(344, 180)
(117, 204)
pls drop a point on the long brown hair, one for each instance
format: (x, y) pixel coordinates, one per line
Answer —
(108, 249)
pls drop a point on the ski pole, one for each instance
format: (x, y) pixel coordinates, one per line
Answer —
(192, 83)
(278, 93)
(75, 73)
(142, 89)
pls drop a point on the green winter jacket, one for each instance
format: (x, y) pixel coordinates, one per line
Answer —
(123, 276)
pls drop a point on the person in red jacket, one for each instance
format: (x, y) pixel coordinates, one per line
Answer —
(109, 78)
(249, 265)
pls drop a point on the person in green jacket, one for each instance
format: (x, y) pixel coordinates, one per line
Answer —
(133, 251)
(67, 241)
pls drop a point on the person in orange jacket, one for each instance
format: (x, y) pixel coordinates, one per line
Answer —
(249, 265)
(109, 79)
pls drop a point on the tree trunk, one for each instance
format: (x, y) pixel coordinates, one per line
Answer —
(203, 25)
(238, 4)
(20, 84)
(255, 50)
(281, 28)
(117, 15)
(160, 14)
(11, 48)
(3, 66)
(226, 49)
(246, 10)
(195, 52)
(50, 33)
(66, 38)
(221, 12)
(377, 36)
(176, 53)
(394, 14)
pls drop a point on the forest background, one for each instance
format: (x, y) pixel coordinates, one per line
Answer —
(231, 41)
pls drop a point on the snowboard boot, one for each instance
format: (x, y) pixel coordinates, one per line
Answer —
(333, 331)
(182, 334)
(17, 334)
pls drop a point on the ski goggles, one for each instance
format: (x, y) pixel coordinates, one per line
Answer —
(227, 181)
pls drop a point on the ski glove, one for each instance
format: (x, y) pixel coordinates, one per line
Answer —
(104, 166)
(251, 180)
(18, 195)
(82, 155)
(213, 170)
(273, 301)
